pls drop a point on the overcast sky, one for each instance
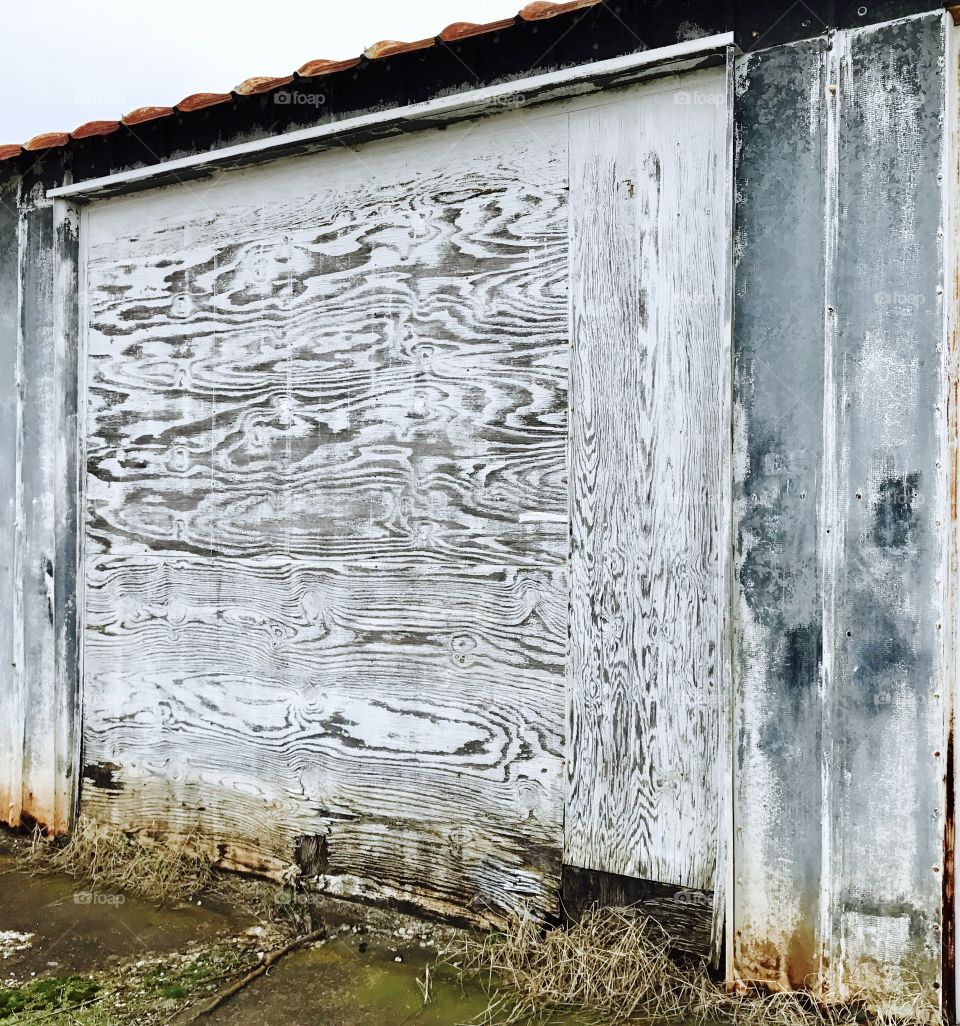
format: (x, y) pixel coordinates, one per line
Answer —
(64, 62)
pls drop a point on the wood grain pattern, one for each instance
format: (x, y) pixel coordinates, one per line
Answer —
(422, 737)
(370, 366)
(649, 477)
(326, 516)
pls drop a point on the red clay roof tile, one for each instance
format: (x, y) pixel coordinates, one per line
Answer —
(391, 47)
(47, 141)
(261, 84)
(141, 114)
(465, 29)
(197, 101)
(94, 128)
(537, 11)
(540, 9)
(323, 67)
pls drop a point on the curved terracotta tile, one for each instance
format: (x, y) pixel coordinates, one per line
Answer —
(261, 84)
(141, 114)
(391, 47)
(9, 152)
(465, 29)
(540, 9)
(197, 101)
(47, 141)
(91, 128)
(322, 67)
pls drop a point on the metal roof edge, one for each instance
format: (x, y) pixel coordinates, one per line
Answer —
(231, 157)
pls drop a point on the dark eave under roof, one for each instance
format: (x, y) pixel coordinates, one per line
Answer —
(542, 36)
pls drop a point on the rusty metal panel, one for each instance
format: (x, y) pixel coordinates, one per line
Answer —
(882, 515)
(778, 413)
(35, 501)
(44, 699)
(840, 449)
(11, 730)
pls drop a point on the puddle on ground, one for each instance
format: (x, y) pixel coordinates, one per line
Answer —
(66, 928)
(350, 982)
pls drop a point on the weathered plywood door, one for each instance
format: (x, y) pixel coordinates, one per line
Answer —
(325, 522)
(650, 471)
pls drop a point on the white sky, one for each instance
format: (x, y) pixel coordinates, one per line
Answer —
(64, 62)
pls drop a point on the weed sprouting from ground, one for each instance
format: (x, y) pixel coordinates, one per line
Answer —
(615, 966)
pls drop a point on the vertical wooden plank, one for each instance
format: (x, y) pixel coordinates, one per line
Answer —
(778, 417)
(884, 516)
(11, 723)
(649, 469)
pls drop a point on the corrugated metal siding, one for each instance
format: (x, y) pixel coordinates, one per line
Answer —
(840, 819)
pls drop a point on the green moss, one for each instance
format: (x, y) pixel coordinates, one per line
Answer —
(46, 994)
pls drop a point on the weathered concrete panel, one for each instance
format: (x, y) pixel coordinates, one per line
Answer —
(778, 420)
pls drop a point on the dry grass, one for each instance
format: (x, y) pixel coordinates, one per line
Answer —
(615, 967)
(167, 872)
(112, 861)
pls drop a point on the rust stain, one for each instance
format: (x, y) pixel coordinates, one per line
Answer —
(197, 101)
(540, 9)
(788, 963)
(261, 84)
(948, 989)
(466, 29)
(92, 128)
(312, 69)
(391, 47)
(47, 141)
(141, 114)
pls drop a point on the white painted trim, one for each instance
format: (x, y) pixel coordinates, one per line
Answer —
(457, 103)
